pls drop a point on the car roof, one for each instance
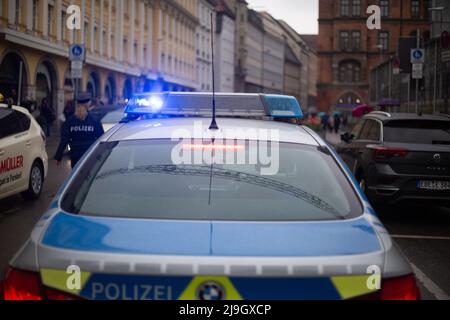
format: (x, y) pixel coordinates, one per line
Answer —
(386, 117)
(17, 108)
(173, 127)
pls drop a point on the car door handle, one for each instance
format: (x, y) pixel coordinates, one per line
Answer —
(28, 144)
(2, 153)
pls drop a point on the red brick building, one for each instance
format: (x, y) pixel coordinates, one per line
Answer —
(348, 50)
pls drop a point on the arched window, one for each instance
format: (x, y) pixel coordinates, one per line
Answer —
(349, 72)
(349, 99)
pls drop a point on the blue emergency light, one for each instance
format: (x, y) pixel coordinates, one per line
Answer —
(227, 105)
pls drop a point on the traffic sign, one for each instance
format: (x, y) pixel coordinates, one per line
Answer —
(77, 52)
(417, 55)
(76, 73)
(76, 65)
(76, 69)
(417, 71)
(445, 56)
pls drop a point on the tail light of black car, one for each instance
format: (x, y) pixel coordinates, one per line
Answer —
(386, 153)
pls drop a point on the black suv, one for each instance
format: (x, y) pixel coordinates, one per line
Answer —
(399, 156)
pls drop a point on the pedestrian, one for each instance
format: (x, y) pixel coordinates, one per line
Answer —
(330, 123)
(14, 96)
(337, 122)
(325, 120)
(80, 131)
(69, 109)
(48, 114)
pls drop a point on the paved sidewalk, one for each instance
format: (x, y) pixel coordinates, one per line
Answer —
(333, 138)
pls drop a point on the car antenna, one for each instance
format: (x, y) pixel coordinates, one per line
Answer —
(213, 125)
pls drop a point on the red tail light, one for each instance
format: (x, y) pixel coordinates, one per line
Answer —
(22, 285)
(402, 288)
(25, 285)
(382, 153)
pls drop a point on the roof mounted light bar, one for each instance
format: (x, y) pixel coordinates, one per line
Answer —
(227, 105)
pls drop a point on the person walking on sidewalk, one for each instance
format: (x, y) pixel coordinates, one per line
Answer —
(79, 131)
(337, 122)
(48, 114)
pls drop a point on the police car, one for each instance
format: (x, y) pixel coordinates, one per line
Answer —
(23, 158)
(171, 204)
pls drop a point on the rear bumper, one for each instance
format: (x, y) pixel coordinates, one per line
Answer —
(388, 187)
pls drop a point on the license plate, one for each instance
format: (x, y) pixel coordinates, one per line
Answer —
(434, 185)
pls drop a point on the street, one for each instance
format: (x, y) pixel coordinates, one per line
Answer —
(423, 233)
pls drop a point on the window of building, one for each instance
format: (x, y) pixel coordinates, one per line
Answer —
(63, 25)
(384, 6)
(345, 7)
(356, 8)
(86, 28)
(35, 15)
(17, 12)
(349, 72)
(356, 40)
(344, 40)
(94, 41)
(415, 8)
(383, 40)
(50, 20)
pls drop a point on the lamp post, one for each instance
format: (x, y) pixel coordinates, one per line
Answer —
(436, 9)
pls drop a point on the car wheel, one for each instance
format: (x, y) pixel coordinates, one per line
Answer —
(36, 182)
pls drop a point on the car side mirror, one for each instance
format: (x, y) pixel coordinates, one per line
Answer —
(347, 137)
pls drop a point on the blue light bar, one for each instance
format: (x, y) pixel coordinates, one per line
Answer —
(280, 106)
(146, 103)
(227, 105)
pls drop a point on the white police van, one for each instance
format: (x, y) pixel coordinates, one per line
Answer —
(23, 158)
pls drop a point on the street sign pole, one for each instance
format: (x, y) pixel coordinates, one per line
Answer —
(435, 76)
(77, 56)
(417, 80)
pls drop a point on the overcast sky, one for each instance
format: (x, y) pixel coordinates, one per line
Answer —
(302, 15)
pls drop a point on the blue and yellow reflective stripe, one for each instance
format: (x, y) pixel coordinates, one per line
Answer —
(63, 280)
(234, 288)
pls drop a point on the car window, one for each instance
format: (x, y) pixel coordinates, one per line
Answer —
(364, 135)
(138, 179)
(374, 133)
(417, 131)
(9, 124)
(357, 129)
(113, 116)
(24, 121)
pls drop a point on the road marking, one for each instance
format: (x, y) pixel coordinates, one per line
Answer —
(429, 284)
(419, 237)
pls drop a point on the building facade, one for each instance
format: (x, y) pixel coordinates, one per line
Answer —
(203, 40)
(132, 45)
(348, 50)
(225, 46)
(307, 58)
(273, 55)
(292, 73)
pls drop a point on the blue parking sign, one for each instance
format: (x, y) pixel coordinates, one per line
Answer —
(417, 55)
(77, 52)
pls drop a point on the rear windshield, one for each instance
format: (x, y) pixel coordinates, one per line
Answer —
(138, 179)
(422, 131)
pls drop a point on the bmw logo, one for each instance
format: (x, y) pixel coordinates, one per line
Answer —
(211, 291)
(437, 158)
